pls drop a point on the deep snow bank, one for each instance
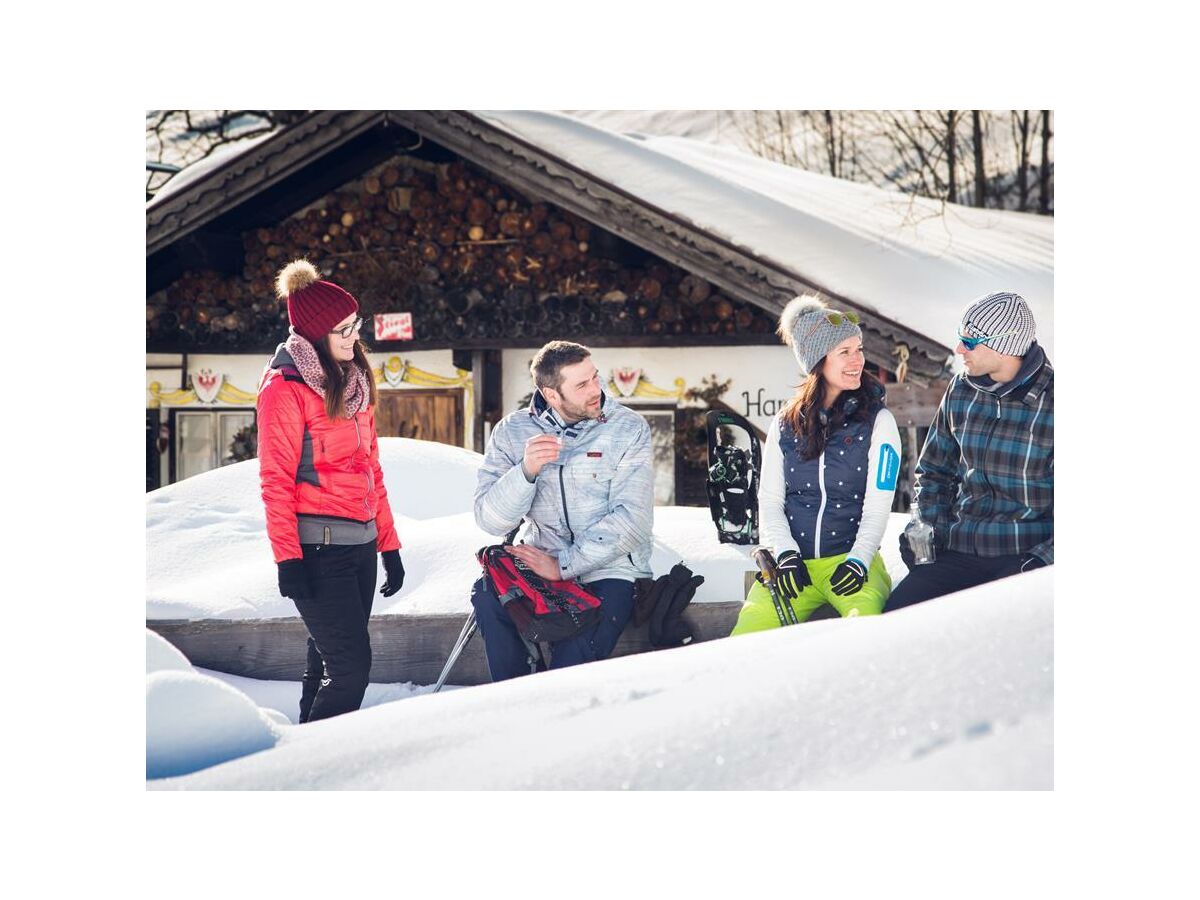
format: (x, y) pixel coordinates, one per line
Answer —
(953, 693)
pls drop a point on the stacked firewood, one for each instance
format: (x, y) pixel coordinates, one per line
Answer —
(469, 258)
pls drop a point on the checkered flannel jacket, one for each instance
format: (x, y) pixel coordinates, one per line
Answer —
(985, 479)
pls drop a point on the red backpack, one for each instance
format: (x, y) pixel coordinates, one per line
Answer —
(542, 610)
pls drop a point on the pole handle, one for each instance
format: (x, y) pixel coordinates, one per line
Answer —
(765, 560)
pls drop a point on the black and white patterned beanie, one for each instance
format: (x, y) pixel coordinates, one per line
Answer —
(1001, 313)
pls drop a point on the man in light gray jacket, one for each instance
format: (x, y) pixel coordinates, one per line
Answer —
(577, 466)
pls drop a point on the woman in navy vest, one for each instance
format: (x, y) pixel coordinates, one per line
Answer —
(830, 464)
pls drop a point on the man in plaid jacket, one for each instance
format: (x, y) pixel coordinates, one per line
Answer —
(985, 479)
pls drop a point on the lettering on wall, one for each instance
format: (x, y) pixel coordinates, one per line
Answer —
(761, 406)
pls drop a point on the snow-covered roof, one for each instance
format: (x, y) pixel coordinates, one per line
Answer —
(201, 167)
(915, 260)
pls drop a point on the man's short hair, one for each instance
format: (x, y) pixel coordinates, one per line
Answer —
(547, 365)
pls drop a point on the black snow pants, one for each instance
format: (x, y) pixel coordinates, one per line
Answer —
(342, 579)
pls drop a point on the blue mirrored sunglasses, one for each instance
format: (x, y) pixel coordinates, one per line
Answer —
(972, 342)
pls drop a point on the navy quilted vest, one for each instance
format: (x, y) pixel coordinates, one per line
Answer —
(825, 495)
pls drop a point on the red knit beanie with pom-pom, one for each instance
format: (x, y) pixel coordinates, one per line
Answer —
(314, 306)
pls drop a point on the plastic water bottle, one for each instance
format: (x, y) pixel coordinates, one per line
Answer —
(920, 537)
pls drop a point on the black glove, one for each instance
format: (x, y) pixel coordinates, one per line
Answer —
(667, 628)
(906, 552)
(848, 578)
(394, 571)
(293, 582)
(791, 575)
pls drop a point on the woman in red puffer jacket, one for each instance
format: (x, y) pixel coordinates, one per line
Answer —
(327, 508)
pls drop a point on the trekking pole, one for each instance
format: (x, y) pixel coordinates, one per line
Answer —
(765, 560)
(464, 638)
(470, 626)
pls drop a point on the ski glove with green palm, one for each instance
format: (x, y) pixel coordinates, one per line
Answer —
(791, 575)
(848, 578)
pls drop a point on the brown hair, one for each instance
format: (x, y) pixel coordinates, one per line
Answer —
(335, 377)
(547, 365)
(803, 412)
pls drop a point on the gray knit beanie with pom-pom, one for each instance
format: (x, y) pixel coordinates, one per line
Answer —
(812, 329)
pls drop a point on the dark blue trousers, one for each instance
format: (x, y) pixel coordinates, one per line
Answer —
(507, 656)
(950, 572)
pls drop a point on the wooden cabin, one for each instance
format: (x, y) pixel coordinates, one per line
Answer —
(467, 249)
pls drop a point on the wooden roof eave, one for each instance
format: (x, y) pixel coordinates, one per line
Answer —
(246, 174)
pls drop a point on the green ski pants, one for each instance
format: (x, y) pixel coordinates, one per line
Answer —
(758, 612)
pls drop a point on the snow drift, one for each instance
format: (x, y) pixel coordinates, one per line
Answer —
(194, 720)
(953, 693)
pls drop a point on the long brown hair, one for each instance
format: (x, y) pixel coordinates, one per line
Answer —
(335, 377)
(803, 412)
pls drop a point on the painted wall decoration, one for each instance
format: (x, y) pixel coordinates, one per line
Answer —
(626, 379)
(211, 384)
(395, 372)
(630, 382)
(216, 389)
(206, 384)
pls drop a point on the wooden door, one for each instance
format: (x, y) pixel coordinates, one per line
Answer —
(435, 414)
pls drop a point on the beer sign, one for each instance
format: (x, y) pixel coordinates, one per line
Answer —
(393, 327)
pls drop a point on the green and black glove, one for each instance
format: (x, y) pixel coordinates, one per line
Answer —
(848, 578)
(791, 575)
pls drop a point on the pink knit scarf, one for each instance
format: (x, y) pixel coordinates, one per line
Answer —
(304, 355)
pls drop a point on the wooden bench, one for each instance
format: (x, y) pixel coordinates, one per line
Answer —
(403, 647)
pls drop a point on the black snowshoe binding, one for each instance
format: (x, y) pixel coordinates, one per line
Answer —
(733, 477)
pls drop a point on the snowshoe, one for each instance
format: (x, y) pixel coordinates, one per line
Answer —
(733, 478)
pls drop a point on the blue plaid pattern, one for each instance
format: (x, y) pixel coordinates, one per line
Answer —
(985, 479)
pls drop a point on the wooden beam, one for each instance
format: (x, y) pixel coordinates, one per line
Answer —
(479, 386)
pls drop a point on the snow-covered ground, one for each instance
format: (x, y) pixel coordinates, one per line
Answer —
(208, 556)
(953, 693)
